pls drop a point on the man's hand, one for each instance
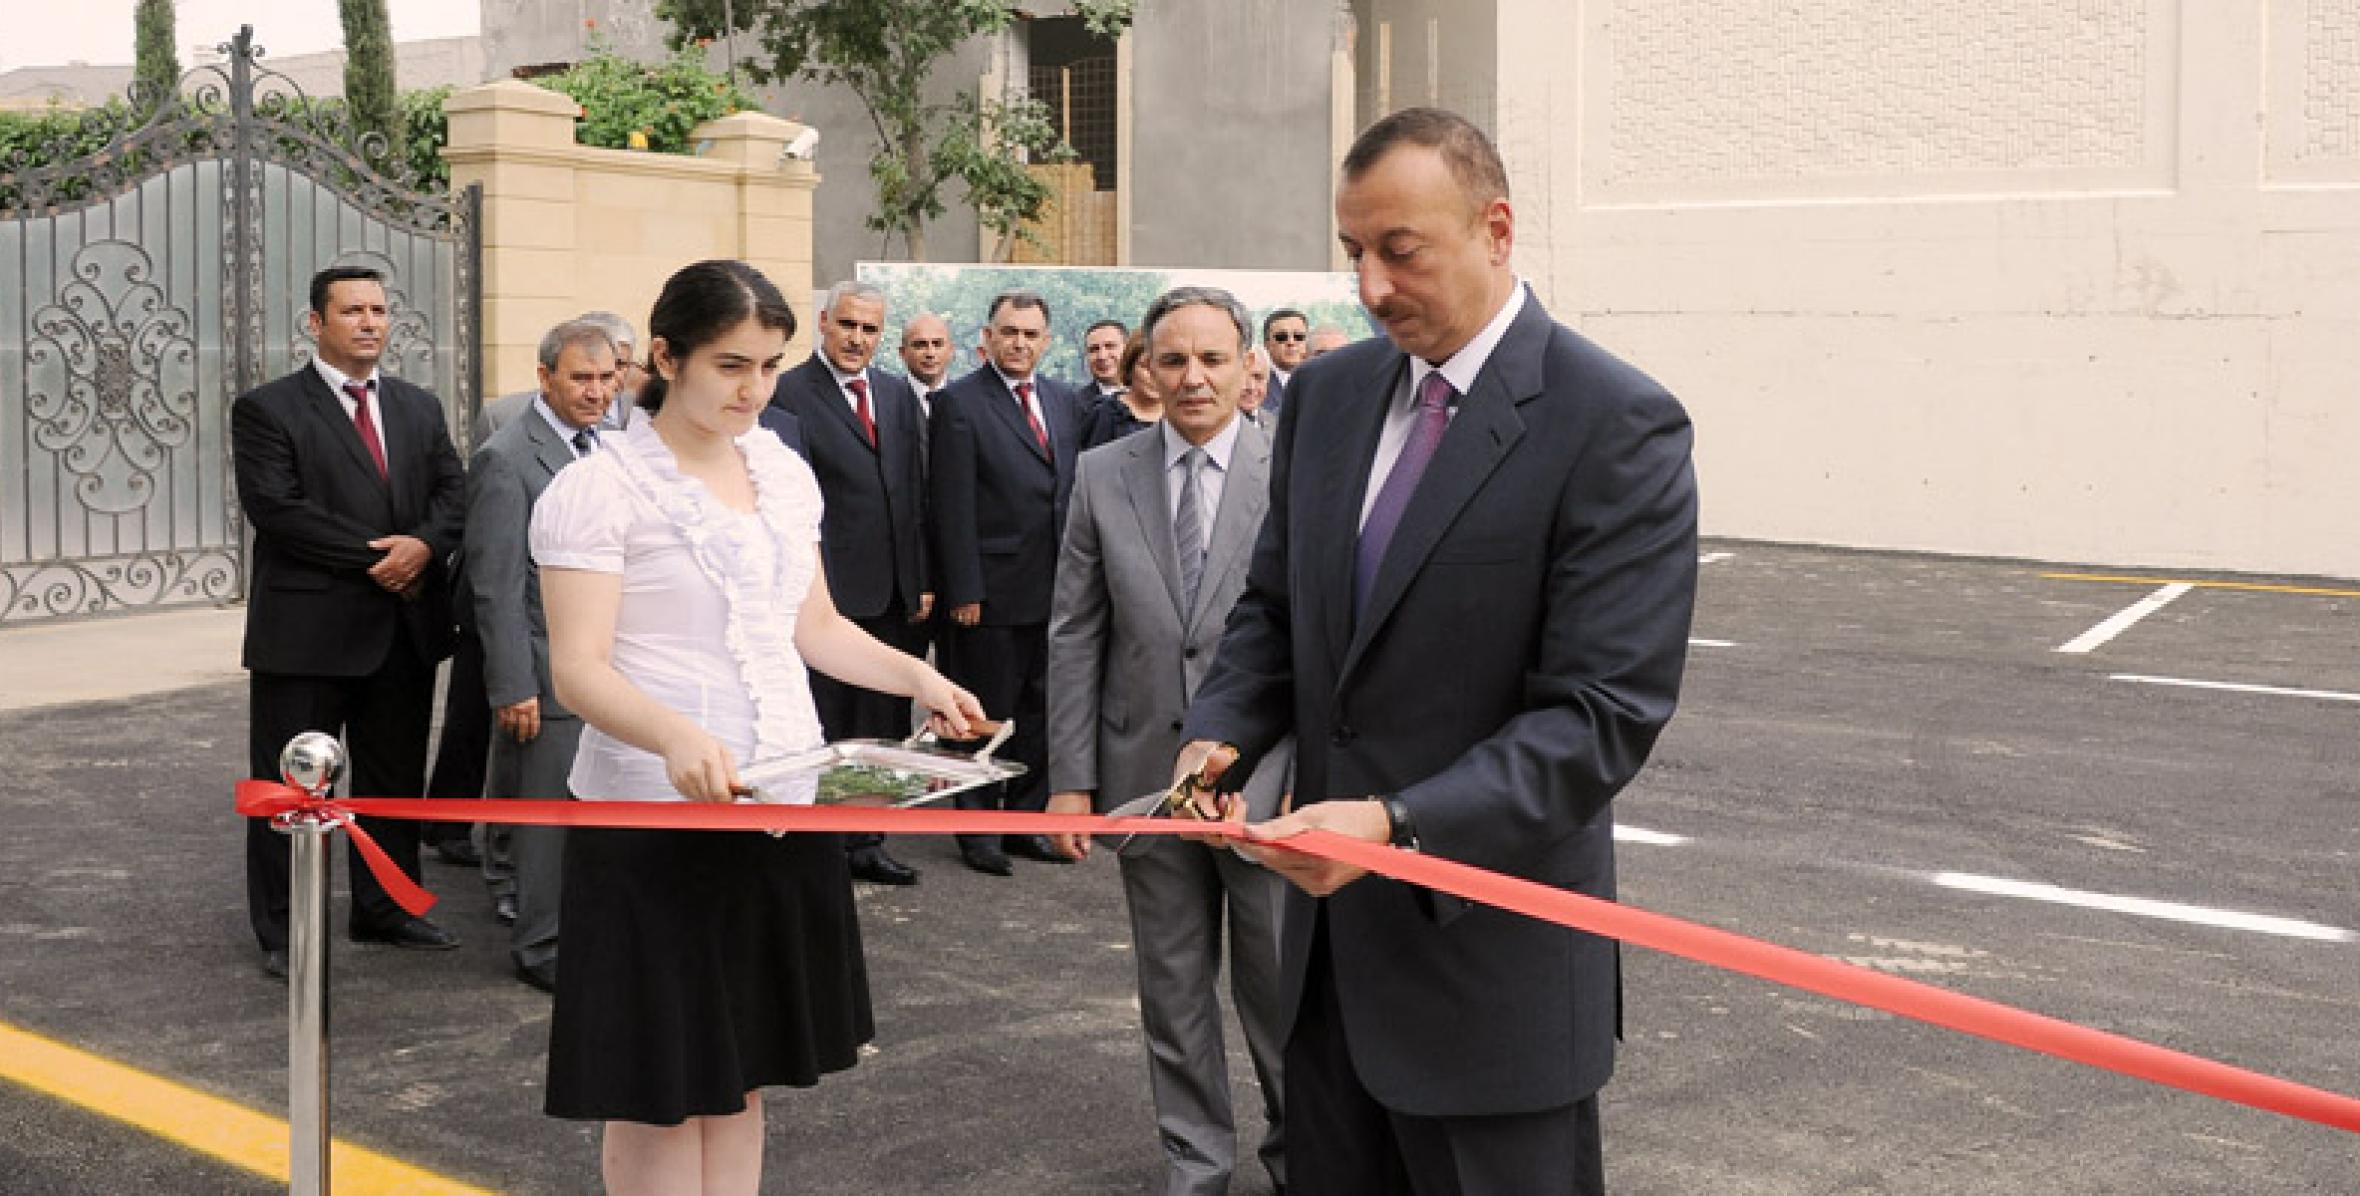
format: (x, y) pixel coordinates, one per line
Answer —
(405, 558)
(1073, 847)
(521, 721)
(967, 614)
(1364, 819)
(925, 609)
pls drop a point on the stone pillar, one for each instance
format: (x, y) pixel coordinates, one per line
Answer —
(773, 227)
(518, 141)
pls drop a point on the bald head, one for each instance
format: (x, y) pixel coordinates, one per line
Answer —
(926, 348)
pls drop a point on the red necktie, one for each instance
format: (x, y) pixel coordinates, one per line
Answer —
(366, 424)
(860, 405)
(1024, 400)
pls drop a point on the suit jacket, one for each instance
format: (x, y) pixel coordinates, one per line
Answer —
(783, 424)
(1274, 398)
(504, 479)
(998, 502)
(1124, 656)
(873, 534)
(314, 499)
(1521, 649)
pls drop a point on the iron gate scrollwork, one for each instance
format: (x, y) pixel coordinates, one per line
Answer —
(145, 285)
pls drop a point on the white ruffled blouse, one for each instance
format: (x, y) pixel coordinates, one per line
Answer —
(707, 623)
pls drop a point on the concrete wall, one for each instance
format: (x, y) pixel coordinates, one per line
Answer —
(1228, 162)
(568, 229)
(2065, 279)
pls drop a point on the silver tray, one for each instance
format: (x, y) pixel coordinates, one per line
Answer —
(877, 772)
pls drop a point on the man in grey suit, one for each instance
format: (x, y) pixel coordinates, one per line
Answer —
(533, 741)
(1156, 545)
(1470, 604)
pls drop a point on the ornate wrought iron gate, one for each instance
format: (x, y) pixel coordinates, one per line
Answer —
(146, 285)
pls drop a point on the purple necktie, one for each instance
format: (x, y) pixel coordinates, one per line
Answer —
(1425, 435)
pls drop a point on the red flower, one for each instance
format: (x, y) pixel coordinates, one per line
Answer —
(590, 22)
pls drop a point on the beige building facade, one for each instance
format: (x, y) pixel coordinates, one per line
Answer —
(2075, 280)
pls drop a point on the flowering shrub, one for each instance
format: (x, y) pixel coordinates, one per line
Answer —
(620, 97)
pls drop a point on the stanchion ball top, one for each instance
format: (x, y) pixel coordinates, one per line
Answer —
(312, 762)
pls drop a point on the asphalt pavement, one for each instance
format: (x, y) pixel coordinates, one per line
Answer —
(1877, 757)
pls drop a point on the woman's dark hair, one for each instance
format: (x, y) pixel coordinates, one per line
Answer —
(699, 304)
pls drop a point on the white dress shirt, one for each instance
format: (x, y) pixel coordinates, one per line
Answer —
(1461, 371)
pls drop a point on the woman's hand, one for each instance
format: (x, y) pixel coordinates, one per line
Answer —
(955, 714)
(699, 767)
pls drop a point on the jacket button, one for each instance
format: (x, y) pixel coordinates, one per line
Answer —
(1175, 724)
(1188, 654)
(1343, 736)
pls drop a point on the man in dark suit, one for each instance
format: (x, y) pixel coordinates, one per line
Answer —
(861, 432)
(1470, 602)
(1102, 355)
(1002, 468)
(1285, 337)
(355, 497)
(532, 748)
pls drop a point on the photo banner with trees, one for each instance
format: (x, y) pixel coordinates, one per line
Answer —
(1079, 296)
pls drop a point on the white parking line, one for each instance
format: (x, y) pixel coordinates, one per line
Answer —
(1632, 834)
(1710, 557)
(1697, 643)
(2121, 620)
(2325, 695)
(2145, 907)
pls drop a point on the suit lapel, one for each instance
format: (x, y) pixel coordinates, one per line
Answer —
(328, 407)
(1481, 435)
(549, 449)
(1143, 483)
(1244, 496)
(1339, 523)
(820, 387)
(1002, 401)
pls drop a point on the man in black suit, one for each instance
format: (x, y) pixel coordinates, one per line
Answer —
(1286, 334)
(1471, 604)
(355, 496)
(1002, 467)
(860, 433)
(1102, 355)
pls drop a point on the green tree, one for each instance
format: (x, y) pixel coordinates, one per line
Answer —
(883, 51)
(156, 78)
(368, 73)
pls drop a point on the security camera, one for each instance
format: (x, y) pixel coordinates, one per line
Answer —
(803, 144)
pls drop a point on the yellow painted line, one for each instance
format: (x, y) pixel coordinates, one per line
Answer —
(2254, 586)
(199, 1121)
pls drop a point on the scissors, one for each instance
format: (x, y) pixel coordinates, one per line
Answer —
(1185, 799)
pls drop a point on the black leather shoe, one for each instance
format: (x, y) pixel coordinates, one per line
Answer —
(413, 934)
(877, 868)
(1034, 847)
(504, 908)
(987, 861)
(542, 975)
(459, 851)
(274, 963)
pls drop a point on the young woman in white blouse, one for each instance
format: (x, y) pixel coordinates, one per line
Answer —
(679, 566)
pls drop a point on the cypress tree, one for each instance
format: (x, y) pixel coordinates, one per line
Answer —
(156, 77)
(368, 72)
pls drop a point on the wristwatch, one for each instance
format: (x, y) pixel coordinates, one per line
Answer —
(1404, 830)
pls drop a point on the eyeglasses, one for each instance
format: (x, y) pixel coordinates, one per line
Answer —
(1290, 336)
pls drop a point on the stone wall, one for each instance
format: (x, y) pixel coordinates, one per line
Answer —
(569, 229)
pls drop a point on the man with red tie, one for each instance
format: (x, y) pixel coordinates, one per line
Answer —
(355, 496)
(861, 433)
(1004, 442)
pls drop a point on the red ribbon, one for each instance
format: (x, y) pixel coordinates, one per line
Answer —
(1704, 944)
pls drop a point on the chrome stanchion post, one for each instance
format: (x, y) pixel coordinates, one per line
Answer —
(312, 762)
